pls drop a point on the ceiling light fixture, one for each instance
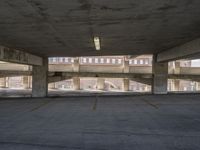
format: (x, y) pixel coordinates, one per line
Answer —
(97, 43)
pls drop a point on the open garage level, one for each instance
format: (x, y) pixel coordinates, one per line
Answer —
(153, 122)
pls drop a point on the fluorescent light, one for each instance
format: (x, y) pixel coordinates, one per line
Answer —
(97, 43)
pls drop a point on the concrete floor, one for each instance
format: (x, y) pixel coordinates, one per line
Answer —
(168, 122)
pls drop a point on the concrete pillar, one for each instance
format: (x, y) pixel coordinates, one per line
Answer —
(52, 85)
(197, 86)
(101, 84)
(126, 65)
(76, 65)
(26, 82)
(40, 80)
(176, 85)
(146, 88)
(76, 83)
(160, 73)
(125, 85)
(177, 68)
(4, 82)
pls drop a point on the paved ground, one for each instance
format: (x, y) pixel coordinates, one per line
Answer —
(169, 122)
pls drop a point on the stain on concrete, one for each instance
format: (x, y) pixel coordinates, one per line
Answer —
(109, 23)
(85, 5)
(141, 17)
(41, 9)
(95, 104)
(167, 7)
(109, 8)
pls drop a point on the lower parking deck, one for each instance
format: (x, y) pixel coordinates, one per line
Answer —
(157, 122)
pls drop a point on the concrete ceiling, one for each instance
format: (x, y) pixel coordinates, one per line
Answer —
(67, 27)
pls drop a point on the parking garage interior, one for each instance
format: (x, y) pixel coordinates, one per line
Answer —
(103, 75)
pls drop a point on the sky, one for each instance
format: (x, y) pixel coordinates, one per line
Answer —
(196, 63)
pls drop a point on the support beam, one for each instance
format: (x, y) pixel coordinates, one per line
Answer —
(188, 50)
(40, 80)
(9, 73)
(147, 81)
(16, 56)
(125, 85)
(104, 75)
(160, 76)
(52, 79)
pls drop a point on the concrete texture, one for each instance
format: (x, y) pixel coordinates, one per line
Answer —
(40, 80)
(76, 83)
(187, 50)
(160, 76)
(67, 28)
(167, 122)
(16, 56)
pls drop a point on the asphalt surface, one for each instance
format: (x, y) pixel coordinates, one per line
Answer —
(165, 122)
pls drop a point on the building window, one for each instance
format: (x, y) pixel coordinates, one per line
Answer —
(102, 60)
(185, 88)
(135, 61)
(108, 60)
(130, 62)
(60, 59)
(141, 61)
(90, 60)
(54, 59)
(72, 60)
(113, 61)
(119, 61)
(146, 61)
(84, 60)
(96, 60)
(66, 60)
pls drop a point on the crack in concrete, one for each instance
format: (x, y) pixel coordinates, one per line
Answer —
(95, 104)
(150, 103)
(39, 145)
(41, 105)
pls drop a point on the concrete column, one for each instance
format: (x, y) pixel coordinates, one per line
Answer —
(101, 84)
(26, 82)
(126, 65)
(52, 85)
(160, 73)
(176, 85)
(177, 67)
(76, 65)
(76, 83)
(125, 85)
(197, 86)
(4, 82)
(146, 88)
(40, 80)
